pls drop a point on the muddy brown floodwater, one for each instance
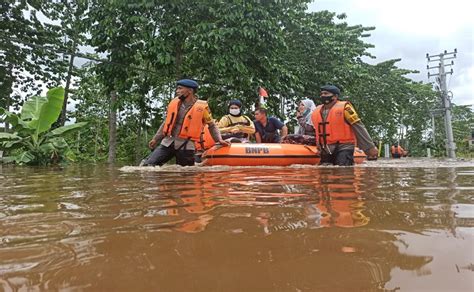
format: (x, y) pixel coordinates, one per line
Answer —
(387, 225)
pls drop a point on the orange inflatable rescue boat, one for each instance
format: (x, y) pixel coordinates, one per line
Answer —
(250, 154)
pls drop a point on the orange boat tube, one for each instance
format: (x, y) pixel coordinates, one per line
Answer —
(249, 154)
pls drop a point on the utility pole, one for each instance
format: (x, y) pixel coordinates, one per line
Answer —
(445, 98)
(433, 125)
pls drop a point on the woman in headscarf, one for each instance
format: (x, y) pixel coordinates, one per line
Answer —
(303, 115)
(305, 133)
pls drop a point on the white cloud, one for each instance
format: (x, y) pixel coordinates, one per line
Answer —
(409, 29)
(425, 18)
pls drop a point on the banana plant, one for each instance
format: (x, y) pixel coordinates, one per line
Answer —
(32, 139)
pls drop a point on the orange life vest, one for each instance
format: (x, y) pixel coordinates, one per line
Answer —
(205, 141)
(397, 150)
(192, 124)
(335, 129)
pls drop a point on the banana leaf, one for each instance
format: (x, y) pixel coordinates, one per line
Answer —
(66, 129)
(8, 137)
(25, 157)
(49, 111)
(13, 119)
(32, 107)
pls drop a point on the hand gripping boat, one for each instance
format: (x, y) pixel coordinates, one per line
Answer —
(248, 154)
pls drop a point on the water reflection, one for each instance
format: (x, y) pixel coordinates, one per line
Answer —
(177, 229)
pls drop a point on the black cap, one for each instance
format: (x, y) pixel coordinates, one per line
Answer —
(331, 88)
(188, 83)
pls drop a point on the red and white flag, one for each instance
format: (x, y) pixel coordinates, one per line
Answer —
(263, 95)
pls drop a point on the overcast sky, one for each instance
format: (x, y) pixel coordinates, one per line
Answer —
(408, 29)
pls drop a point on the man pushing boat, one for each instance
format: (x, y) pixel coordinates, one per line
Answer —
(182, 127)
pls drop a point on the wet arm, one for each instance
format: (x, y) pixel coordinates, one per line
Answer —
(215, 133)
(227, 129)
(213, 129)
(247, 129)
(279, 125)
(159, 134)
(364, 141)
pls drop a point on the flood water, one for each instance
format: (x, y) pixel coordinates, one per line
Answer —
(403, 225)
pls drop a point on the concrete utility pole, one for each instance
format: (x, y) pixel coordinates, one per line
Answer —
(445, 98)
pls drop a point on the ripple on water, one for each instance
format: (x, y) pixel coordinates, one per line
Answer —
(386, 163)
(104, 228)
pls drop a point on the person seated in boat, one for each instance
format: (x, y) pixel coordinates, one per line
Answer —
(267, 128)
(305, 130)
(338, 128)
(183, 125)
(303, 115)
(397, 151)
(235, 126)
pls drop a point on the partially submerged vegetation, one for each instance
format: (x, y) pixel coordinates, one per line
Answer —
(231, 47)
(32, 140)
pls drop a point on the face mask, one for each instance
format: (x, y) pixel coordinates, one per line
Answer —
(326, 99)
(234, 111)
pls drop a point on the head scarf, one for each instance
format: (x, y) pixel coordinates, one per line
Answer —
(237, 103)
(309, 108)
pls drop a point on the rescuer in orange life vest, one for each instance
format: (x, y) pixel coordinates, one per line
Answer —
(397, 151)
(182, 127)
(338, 129)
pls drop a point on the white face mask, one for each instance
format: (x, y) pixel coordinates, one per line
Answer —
(234, 111)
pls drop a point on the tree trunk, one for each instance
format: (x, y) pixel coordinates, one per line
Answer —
(62, 119)
(6, 90)
(7, 107)
(112, 127)
(138, 145)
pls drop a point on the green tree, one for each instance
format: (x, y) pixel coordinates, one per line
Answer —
(232, 48)
(92, 107)
(29, 51)
(463, 126)
(71, 15)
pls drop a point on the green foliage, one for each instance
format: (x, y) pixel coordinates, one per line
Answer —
(463, 126)
(91, 107)
(231, 47)
(388, 101)
(29, 51)
(32, 140)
